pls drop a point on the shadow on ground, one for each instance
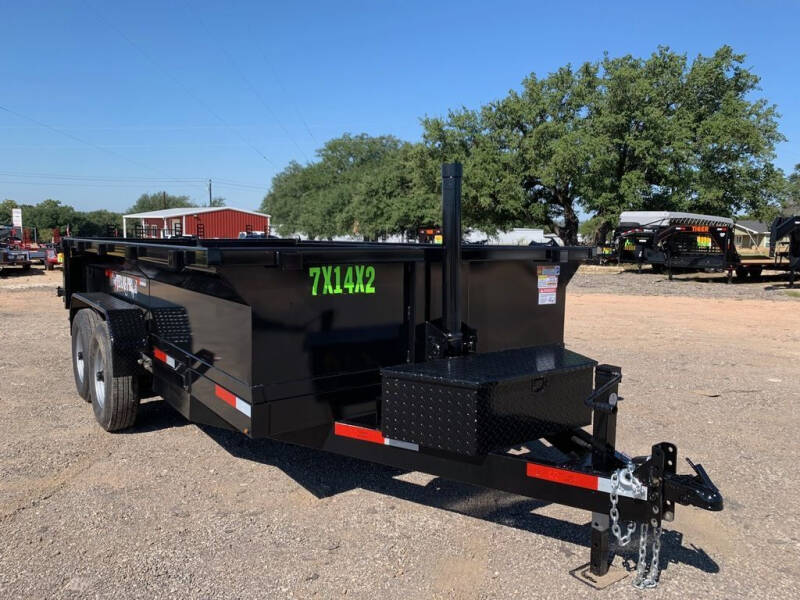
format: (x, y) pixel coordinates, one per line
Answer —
(324, 474)
(11, 272)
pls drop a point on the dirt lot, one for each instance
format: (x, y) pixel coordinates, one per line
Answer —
(174, 510)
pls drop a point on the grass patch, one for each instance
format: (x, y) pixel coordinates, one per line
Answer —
(792, 293)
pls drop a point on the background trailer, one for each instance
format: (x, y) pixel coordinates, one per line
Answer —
(446, 359)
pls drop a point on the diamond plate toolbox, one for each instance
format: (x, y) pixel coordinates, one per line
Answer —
(479, 403)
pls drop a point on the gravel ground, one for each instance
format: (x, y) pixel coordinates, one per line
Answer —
(170, 509)
(773, 285)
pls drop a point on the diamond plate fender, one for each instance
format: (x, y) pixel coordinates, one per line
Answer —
(126, 323)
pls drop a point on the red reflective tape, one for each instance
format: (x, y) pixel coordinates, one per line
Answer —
(365, 434)
(573, 478)
(225, 395)
(160, 355)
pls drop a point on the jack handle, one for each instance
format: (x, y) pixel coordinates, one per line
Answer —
(593, 401)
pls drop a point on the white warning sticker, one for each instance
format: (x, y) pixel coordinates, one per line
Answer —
(548, 283)
(547, 295)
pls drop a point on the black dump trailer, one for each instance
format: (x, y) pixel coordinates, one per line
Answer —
(445, 359)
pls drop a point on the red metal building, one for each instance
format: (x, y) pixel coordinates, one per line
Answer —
(205, 222)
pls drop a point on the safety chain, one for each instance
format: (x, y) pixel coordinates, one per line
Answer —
(649, 580)
(627, 473)
(643, 579)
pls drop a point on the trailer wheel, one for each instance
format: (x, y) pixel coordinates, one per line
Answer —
(83, 325)
(113, 383)
(741, 272)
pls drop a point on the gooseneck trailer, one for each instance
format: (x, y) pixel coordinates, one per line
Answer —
(677, 240)
(687, 241)
(786, 228)
(446, 359)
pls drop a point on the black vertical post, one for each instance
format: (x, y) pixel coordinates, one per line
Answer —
(451, 264)
(604, 432)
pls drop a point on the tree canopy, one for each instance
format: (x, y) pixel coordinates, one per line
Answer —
(160, 201)
(51, 214)
(792, 201)
(361, 185)
(652, 133)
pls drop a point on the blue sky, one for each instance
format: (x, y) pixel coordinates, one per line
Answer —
(148, 95)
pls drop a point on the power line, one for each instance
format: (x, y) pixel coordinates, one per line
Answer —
(179, 83)
(74, 183)
(29, 174)
(220, 182)
(286, 93)
(126, 180)
(77, 139)
(250, 85)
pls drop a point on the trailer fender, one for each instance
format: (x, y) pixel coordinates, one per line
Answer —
(126, 322)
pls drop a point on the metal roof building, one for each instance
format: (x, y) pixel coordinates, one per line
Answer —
(203, 222)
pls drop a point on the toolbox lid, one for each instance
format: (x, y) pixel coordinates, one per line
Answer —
(477, 370)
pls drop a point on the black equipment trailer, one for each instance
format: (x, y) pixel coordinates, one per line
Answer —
(636, 244)
(676, 241)
(698, 247)
(786, 228)
(446, 359)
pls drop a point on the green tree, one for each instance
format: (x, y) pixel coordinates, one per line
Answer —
(5, 211)
(791, 203)
(98, 223)
(47, 215)
(159, 201)
(217, 201)
(357, 187)
(525, 156)
(653, 133)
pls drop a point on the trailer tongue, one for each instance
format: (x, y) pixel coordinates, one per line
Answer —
(447, 360)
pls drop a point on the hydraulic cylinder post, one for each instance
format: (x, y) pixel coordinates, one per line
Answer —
(451, 263)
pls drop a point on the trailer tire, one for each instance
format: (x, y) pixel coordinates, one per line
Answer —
(113, 383)
(83, 325)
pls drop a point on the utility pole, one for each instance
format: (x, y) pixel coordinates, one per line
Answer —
(164, 199)
(209, 192)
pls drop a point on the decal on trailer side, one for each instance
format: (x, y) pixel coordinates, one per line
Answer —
(342, 279)
(125, 284)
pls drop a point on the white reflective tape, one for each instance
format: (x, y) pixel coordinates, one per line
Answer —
(604, 485)
(399, 444)
(170, 361)
(242, 406)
